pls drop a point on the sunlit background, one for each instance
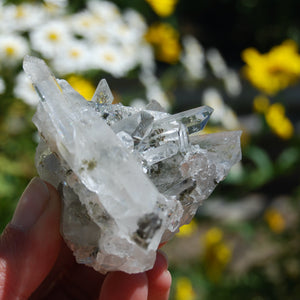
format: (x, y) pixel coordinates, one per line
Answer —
(240, 57)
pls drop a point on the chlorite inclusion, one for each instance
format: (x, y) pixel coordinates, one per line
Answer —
(128, 178)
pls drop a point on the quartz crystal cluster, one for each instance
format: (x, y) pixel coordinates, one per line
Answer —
(128, 178)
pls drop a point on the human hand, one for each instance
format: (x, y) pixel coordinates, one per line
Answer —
(35, 263)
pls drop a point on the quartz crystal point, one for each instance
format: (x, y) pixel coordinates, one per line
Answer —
(128, 178)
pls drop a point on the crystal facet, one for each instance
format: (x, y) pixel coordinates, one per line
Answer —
(103, 93)
(128, 178)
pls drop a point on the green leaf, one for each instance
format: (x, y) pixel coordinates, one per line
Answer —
(264, 170)
(288, 159)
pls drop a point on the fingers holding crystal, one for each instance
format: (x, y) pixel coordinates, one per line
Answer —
(159, 279)
(120, 285)
(30, 244)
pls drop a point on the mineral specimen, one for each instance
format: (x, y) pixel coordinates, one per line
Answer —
(128, 178)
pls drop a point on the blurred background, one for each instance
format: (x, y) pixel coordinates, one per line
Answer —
(240, 57)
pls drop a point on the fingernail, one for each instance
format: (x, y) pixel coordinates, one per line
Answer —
(31, 204)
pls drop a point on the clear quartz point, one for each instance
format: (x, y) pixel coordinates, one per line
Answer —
(103, 93)
(194, 119)
(128, 178)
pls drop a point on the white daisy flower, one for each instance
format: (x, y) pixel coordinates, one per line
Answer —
(55, 7)
(135, 20)
(136, 27)
(113, 60)
(230, 120)
(84, 23)
(222, 113)
(216, 62)
(12, 49)
(101, 35)
(24, 90)
(211, 97)
(106, 11)
(232, 83)
(220, 70)
(22, 17)
(193, 58)
(73, 58)
(125, 34)
(50, 38)
(2, 86)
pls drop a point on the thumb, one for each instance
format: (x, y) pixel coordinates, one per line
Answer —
(31, 242)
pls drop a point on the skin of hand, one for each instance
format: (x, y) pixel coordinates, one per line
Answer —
(35, 263)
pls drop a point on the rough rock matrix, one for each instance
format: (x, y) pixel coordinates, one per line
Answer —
(129, 178)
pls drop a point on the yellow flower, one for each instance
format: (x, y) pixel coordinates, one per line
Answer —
(163, 8)
(165, 40)
(84, 87)
(261, 104)
(213, 237)
(211, 129)
(217, 253)
(184, 289)
(187, 230)
(223, 254)
(275, 220)
(275, 70)
(278, 122)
